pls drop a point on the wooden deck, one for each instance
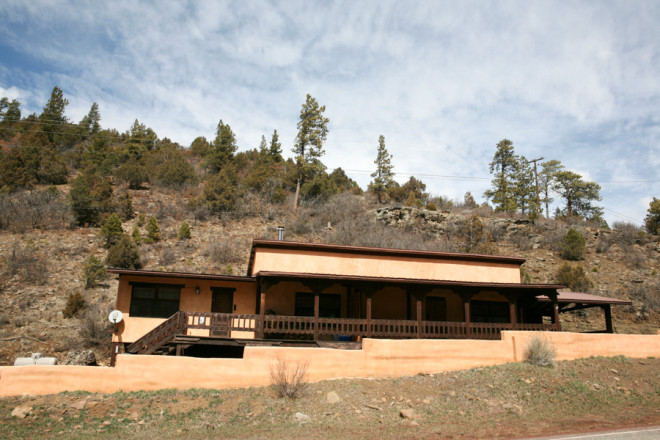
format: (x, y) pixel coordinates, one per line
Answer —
(172, 334)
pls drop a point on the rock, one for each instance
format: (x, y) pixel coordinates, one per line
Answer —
(302, 418)
(80, 357)
(407, 413)
(332, 397)
(21, 411)
(79, 404)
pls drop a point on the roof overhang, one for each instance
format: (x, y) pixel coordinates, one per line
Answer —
(199, 276)
(386, 252)
(583, 298)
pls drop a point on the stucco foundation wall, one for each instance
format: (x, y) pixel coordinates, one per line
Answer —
(378, 358)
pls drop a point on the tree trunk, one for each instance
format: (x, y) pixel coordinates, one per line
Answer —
(295, 199)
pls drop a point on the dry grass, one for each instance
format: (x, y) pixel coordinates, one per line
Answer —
(508, 401)
(540, 351)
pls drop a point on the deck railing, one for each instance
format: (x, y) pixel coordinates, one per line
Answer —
(290, 327)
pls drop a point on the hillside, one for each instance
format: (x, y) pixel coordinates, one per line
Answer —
(42, 267)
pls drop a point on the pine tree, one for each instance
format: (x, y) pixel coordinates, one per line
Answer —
(275, 147)
(153, 231)
(112, 230)
(222, 149)
(504, 166)
(264, 152)
(578, 195)
(383, 176)
(52, 119)
(547, 181)
(524, 188)
(312, 132)
(184, 231)
(90, 123)
(652, 220)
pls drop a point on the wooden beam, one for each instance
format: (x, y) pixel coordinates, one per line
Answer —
(512, 313)
(316, 315)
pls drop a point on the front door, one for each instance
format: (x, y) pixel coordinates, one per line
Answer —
(222, 302)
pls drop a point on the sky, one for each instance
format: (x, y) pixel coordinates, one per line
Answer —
(442, 81)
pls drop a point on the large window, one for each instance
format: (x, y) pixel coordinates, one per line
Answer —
(489, 311)
(154, 301)
(329, 305)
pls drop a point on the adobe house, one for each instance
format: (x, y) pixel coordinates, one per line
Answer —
(298, 294)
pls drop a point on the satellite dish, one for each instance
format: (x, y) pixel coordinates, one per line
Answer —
(115, 316)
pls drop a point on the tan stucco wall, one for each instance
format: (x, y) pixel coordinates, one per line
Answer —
(297, 261)
(133, 328)
(378, 358)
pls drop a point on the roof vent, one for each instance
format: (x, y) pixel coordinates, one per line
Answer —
(280, 233)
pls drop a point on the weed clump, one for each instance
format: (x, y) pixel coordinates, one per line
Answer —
(289, 380)
(539, 351)
(184, 231)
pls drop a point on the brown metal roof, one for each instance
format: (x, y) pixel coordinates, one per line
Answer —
(583, 298)
(402, 281)
(335, 248)
(155, 273)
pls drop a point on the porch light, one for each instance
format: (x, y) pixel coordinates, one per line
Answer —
(197, 290)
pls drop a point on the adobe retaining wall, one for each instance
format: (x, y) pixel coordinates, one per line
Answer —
(378, 358)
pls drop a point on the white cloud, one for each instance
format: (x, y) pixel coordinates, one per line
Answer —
(443, 81)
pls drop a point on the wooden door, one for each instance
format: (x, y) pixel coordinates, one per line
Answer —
(222, 302)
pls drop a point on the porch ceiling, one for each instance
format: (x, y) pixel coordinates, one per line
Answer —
(536, 289)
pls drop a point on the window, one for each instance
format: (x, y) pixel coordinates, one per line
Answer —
(154, 301)
(329, 305)
(489, 311)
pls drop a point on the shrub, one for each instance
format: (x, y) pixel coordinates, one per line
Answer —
(573, 245)
(27, 264)
(93, 272)
(74, 304)
(153, 231)
(431, 207)
(289, 380)
(141, 220)
(124, 255)
(573, 277)
(95, 327)
(112, 230)
(35, 209)
(184, 231)
(224, 251)
(167, 257)
(540, 351)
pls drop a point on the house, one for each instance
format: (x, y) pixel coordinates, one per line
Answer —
(330, 295)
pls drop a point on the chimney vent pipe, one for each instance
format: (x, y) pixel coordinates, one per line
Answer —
(280, 233)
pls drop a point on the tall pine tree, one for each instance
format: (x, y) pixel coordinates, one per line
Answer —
(312, 132)
(383, 176)
(504, 166)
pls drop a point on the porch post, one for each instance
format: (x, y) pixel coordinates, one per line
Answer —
(419, 317)
(512, 312)
(466, 303)
(316, 315)
(368, 332)
(262, 314)
(607, 308)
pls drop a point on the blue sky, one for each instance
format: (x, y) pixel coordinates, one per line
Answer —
(444, 82)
